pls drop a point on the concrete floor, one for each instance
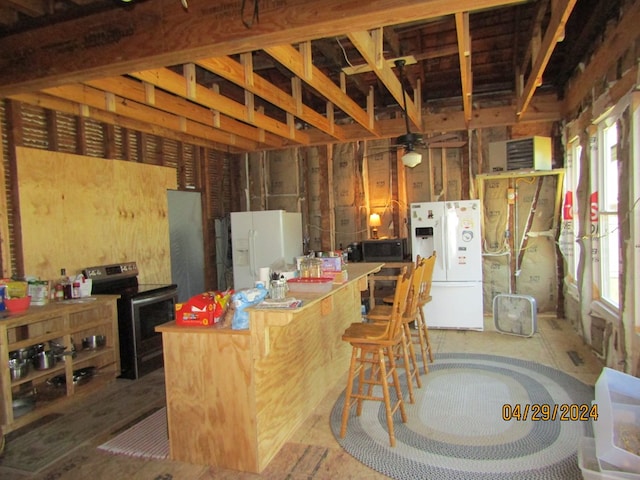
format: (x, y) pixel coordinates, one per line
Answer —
(312, 452)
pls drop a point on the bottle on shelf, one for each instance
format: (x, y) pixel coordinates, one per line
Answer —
(62, 289)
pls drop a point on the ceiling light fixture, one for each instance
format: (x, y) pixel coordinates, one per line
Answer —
(411, 159)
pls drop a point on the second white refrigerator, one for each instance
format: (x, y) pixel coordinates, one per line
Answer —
(452, 230)
(261, 238)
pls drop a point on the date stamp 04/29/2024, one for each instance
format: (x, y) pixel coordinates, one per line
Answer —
(545, 412)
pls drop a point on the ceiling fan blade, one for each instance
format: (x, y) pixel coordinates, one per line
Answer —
(442, 137)
(381, 152)
(451, 144)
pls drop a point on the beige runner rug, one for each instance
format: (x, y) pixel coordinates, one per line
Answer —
(146, 439)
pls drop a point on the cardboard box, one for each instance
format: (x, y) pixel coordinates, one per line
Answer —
(331, 264)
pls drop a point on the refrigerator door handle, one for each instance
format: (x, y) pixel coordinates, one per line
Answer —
(443, 242)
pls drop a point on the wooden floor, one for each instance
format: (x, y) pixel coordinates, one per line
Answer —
(312, 452)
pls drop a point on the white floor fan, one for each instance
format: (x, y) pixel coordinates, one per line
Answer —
(515, 314)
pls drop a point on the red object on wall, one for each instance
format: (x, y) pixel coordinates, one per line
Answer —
(567, 210)
(593, 200)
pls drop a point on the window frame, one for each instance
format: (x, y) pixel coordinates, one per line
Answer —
(605, 214)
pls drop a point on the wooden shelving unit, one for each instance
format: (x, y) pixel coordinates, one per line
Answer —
(65, 323)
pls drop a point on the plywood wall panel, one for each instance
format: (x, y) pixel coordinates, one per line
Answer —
(79, 211)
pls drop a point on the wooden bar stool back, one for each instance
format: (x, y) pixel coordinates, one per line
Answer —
(406, 351)
(373, 362)
(424, 297)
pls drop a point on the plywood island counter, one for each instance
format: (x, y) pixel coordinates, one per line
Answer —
(234, 397)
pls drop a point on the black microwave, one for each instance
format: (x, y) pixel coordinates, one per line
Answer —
(385, 250)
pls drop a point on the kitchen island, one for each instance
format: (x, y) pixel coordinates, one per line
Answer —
(234, 397)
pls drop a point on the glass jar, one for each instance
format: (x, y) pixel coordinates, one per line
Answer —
(311, 267)
(278, 289)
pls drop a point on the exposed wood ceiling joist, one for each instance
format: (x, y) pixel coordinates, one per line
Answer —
(281, 83)
(371, 51)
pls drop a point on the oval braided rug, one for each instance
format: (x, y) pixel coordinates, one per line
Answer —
(455, 429)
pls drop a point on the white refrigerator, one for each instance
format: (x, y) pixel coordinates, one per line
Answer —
(452, 230)
(260, 239)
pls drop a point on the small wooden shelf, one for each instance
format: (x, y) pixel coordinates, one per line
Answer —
(64, 323)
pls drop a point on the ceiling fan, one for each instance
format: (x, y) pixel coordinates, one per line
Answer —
(409, 141)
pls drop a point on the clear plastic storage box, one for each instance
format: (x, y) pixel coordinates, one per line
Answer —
(310, 284)
(592, 469)
(617, 430)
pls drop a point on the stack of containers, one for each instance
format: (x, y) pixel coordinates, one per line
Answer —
(334, 268)
(614, 452)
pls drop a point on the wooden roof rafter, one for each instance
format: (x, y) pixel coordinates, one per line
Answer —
(560, 11)
(243, 76)
(140, 92)
(302, 67)
(174, 83)
(464, 54)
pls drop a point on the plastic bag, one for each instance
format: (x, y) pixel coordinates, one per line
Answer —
(243, 299)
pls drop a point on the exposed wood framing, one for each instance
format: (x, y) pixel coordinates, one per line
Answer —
(293, 60)
(366, 44)
(560, 11)
(464, 54)
(233, 71)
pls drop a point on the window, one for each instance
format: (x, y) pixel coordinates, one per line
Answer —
(607, 215)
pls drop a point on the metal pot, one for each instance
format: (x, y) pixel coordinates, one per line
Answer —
(19, 368)
(23, 353)
(44, 360)
(60, 350)
(94, 342)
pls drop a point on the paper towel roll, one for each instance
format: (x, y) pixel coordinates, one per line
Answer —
(264, 273)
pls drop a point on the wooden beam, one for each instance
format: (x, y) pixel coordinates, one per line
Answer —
(290, 58)
(172, 82)
(464, 54)
(560, 11)
(543, 108)
(244, 76)
(138, 92)
(162, 33)
(367, 47)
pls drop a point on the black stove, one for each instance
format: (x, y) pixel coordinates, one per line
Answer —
(121, 279)
(141, 307)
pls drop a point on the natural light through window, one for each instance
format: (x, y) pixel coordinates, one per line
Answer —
(608, 216)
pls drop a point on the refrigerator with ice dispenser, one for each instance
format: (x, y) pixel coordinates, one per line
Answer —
(260, 239)
(452, 230)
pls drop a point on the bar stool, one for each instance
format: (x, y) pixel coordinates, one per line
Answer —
(424, 297)
(405, 351)
(373, 346)
(419, 334)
